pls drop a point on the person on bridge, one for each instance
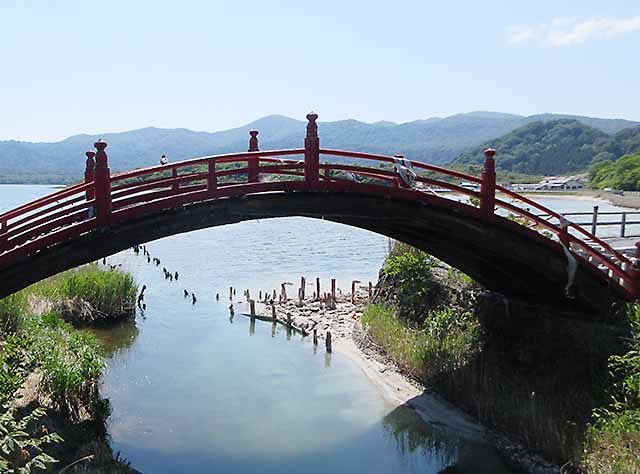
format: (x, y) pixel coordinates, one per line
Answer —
(164, 160)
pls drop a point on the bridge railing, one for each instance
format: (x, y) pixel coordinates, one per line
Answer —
(105, 199)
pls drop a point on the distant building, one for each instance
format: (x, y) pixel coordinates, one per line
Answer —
(560, 183)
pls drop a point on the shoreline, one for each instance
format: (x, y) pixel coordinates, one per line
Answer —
(349, 339)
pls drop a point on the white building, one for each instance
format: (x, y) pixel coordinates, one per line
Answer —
(560, 183)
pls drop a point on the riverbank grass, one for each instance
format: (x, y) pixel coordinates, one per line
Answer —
(45, 361)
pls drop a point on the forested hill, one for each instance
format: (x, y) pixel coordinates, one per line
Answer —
(554, 147)
(435, 140)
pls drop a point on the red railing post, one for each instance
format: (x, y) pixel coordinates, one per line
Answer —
(212, 179)
(174, 176)
(633, 270)
(3, 234)
(254, 161)
(102, 185)
(488, 185)
(90, 173)
(312, 151)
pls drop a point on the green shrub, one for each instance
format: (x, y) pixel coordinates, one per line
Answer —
(21, 443)
(414, 283)
(12, 310)
(71, 367)
(111, 292)
(441, 346)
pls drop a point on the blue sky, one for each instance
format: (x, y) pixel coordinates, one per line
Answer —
(69, 67)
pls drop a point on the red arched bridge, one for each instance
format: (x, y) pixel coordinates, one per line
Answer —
(489, 232)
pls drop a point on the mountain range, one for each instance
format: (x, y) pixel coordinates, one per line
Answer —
(434, 140)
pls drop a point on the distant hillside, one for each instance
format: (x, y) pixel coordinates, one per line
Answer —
(554, 147)
(435, 140)
(623, 173)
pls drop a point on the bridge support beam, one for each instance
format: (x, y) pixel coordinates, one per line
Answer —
(312, 152)
(254, 161)
(102, 185)
(488, 186)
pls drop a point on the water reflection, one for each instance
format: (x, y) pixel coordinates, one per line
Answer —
(117, 338)
(451, 454)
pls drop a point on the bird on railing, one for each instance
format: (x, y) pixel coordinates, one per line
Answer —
(164, 160)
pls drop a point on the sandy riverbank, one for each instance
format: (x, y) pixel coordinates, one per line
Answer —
(348, 339)
(342, 320)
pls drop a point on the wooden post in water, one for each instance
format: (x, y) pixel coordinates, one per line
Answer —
(328, 342)
(317, 288)
(315, 337)
(274, 294)
(284, 292)
(273, 312)
(333, 289)
(623, 224)
(230, 293)
(594, 220)
(370, 291)
(252, 306)
(303, 286)
(289, 320)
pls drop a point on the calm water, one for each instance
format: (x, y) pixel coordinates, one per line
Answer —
(193, 390)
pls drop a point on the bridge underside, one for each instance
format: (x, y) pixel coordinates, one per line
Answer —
(499, 255)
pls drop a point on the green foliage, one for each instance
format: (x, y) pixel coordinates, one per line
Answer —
(22, 442)
(70, 362)
(14, 364)
(411, 270)
(623, 173)
(553, 147)
(12, 310)
(112, 292)
(613, 442)
(440, 347)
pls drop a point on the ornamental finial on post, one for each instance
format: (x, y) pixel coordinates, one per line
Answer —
(91, 163)
(312, 126)
(253, 141)
(102, 160)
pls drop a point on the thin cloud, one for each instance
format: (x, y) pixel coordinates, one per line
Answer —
(564, 32)
(520, 34)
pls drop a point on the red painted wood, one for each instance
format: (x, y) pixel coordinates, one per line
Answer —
(312, 151)
(90, 173)
(102, 185)
(488, 185)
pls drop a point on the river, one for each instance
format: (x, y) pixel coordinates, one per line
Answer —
(193, 390)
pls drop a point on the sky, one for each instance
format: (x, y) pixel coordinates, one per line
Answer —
(70, 67)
